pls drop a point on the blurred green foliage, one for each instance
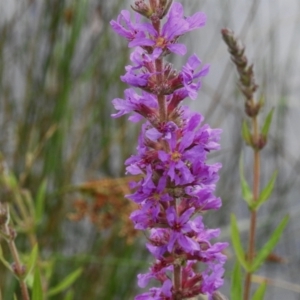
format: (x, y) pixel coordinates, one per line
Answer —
(59, 69)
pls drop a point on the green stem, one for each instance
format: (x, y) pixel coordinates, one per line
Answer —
(18, 265)
(252, 230)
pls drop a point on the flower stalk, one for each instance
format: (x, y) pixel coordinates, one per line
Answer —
(256, 138)
(177, 184)
(10, 235)
(248, 87)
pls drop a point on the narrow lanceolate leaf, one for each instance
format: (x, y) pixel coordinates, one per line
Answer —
(66, 283)
(268, 247)
(40, 202)
(267, 191)
(237, 245)
(260, 292)
(6, 263)
(32, 260)
(236, 290)
(267, 123)
(246, 191)
(37, 291)
(246, 133)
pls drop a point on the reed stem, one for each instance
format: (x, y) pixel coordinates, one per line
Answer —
(252, 229)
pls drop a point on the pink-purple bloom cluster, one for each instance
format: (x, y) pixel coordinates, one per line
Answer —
(177, 184)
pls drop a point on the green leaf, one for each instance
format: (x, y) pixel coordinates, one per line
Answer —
(11, 181)
(246, 134)
(5, 262)
(237, 245)
(69, 295)
(40, 201)
(67, 282)
(268, 247)
(236, 290)
(32, 260)
(267, 123)
(267, 191)
(260, 292)
(37, 290)
(246, 191)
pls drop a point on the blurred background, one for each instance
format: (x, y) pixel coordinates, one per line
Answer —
(60, 64)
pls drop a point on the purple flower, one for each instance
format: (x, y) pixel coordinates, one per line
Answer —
(125, 28)
(151, 193)
(158, 242)
(180, 227)
(182, 153)
(188, 75)
(163, 293)
(212, 279)
(144, 105)
(164, 131)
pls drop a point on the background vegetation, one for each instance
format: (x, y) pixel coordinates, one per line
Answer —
(59, 69)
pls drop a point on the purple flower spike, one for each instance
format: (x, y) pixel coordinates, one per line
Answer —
(176, 184)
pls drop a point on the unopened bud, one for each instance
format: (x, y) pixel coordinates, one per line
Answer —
(142, 8)
(251, 108)
(164, 6)
(260, 143)
(12, 233)
(153, 4)
(19, 271)
(247, 81)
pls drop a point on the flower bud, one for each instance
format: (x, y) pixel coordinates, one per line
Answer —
(142, 8)
(19, 271)
(251, 108)
(164, 6)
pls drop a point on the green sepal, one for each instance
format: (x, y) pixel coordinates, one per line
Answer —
(246, 134)
(269, 246)
(66, 283)
(37, 290)
(246, 191)
(260, 292)
(236, 290)
(267, 123)
(266, 192)
(237, 245)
